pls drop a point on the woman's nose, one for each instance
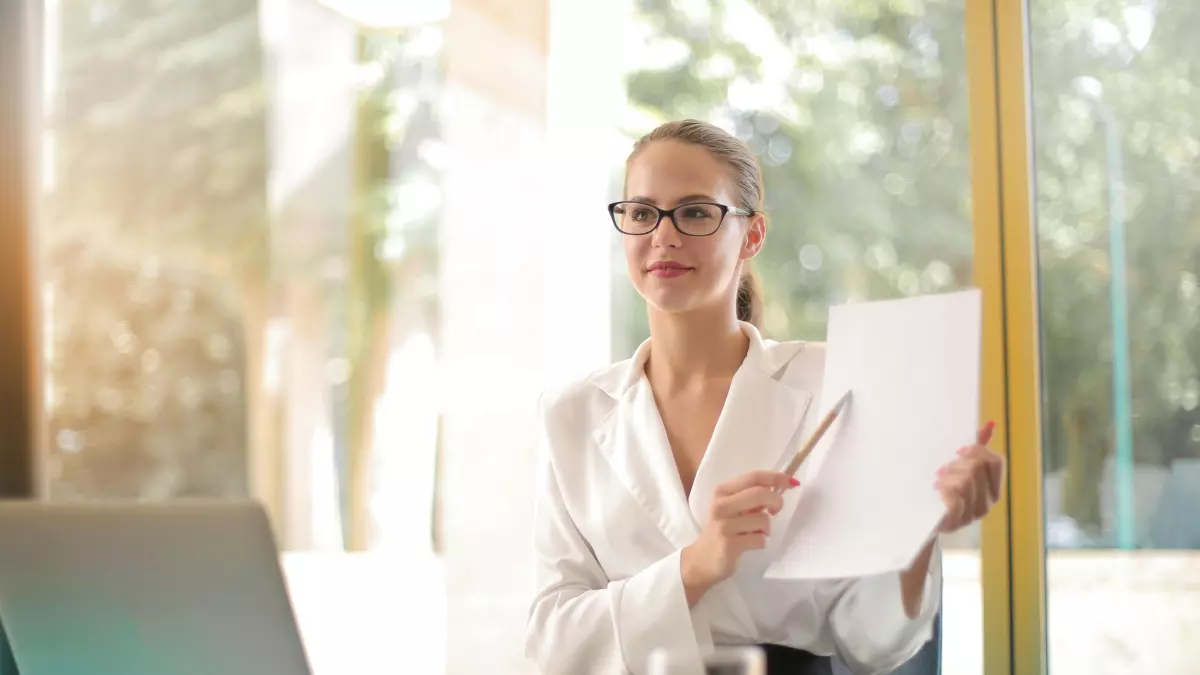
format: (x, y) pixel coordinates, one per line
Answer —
(666, 235)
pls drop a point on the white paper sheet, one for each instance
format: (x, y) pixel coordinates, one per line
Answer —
(869, 503)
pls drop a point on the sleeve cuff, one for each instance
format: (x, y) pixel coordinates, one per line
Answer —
(652, 613)
(877, 635)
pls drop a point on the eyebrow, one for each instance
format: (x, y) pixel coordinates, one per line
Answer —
(683, 200)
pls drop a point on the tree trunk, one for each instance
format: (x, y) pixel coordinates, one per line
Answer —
(1083, 471)
(368, 380)
(369, 300)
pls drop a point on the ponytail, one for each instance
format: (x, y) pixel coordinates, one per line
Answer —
(750, 297)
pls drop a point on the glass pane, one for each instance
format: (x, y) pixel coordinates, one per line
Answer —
(1118, 225)
(238, 248)
(858, 113)
(240, 255)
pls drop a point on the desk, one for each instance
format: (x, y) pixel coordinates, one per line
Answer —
(370, 613)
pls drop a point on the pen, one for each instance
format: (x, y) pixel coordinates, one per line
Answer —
(802, 454)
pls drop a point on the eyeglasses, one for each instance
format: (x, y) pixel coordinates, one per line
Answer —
(697, 219)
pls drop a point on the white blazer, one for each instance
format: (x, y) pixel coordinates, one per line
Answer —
(611, 518)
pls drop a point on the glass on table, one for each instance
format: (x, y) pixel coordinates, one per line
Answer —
(747, 660)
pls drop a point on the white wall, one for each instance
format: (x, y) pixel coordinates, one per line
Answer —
(491, 291)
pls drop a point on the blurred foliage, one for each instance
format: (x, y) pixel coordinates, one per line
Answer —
(1149, 98)
(147, 393)
(393, 238)
(158, 214)
(859, 113)
(166, 266)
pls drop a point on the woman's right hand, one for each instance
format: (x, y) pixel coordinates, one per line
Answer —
(739, 520)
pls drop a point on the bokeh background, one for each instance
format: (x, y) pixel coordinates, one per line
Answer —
(326, 254)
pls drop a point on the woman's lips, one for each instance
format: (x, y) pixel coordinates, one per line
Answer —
(668, 270)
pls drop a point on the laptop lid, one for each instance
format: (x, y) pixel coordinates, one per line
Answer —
(176, 588)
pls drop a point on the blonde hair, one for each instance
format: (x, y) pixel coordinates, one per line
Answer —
(747, 178)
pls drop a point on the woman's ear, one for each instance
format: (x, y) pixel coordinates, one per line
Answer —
(756, 236)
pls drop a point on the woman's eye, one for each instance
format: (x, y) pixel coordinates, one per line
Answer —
(697, 213)
(641, 214)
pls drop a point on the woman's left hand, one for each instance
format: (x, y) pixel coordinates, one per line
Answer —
(970, 485)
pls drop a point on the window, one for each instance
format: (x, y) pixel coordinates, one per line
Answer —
(239, 253)
(1118, 234)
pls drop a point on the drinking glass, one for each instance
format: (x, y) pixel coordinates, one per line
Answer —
(747, 660)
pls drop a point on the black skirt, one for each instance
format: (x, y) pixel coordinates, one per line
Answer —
(788, 661)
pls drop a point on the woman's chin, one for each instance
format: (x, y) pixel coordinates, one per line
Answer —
(666, 302)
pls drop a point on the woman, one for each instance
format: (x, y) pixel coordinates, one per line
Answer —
(654, 516)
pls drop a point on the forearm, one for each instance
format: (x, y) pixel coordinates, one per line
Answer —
(912, 581)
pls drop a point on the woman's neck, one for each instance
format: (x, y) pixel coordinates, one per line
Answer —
(693, 348)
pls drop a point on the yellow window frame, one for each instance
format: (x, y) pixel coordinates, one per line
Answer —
(1012, 545)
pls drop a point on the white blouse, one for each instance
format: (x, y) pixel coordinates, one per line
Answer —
(611, 518)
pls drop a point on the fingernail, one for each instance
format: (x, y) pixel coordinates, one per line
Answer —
(942, 471)
(793, 481)
(963, 451)
(991, 425)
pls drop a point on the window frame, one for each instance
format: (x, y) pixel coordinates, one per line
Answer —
(1012, 548)
(21, 413)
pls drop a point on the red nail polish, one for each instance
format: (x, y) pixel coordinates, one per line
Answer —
(991, 425)
(793, 481)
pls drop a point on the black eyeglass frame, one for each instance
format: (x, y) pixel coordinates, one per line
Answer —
(664, 213)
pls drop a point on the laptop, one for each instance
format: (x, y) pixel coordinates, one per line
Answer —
(175, 588)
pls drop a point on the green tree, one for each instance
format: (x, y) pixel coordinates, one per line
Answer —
(1148, 95)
